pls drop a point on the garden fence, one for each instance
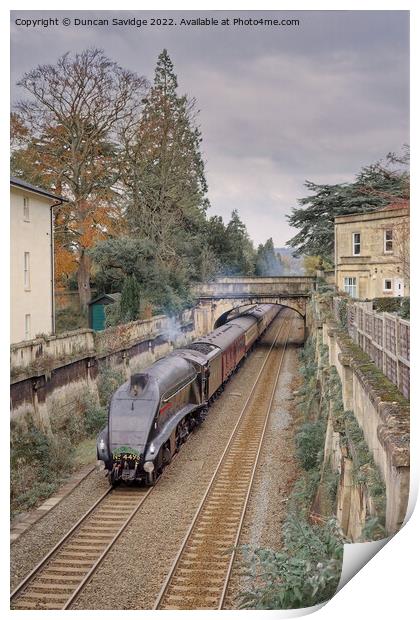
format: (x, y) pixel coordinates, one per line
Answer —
(385, 338)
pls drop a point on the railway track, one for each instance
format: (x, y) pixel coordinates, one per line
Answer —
(200, 573)
(61, 575)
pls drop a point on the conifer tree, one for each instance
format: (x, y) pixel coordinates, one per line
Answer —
(165, 169)
(130, 299)
(267, 261)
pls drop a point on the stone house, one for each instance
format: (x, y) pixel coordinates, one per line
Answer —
(31, 260)
(372, 252)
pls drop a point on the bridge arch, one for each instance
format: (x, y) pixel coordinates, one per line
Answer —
(221, 296)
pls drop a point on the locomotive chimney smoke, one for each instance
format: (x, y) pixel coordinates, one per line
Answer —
(173, 331)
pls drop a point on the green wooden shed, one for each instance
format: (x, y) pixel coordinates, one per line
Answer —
(97, 310)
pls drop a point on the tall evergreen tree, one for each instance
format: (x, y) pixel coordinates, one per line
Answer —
(241, 258)
(267, 261)
(130, 299)
(231, 245)
(165, 170)
(171, 242)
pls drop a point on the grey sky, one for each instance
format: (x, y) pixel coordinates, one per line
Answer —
(278, 104)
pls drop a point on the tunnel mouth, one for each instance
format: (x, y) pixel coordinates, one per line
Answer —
(232, 314)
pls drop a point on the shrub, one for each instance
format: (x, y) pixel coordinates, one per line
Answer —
(68, 423)
(342, 311)
(331, 479)
(401, 305)
(60, 458)
(305, 573)
(29, 445)
(113, 314)
(95, 419)
(405, 308)
(32, 495)
(310, 443)
(304, 492)
(68, 319)
(75, 428)
(38, 462)
(130, 299)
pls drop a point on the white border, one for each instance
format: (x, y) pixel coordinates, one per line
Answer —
(387, 586)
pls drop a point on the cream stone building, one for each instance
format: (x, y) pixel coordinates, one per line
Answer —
(372, 252)
(31, 260)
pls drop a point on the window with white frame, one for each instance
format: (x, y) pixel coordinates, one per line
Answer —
(356, 244)
(350, 286)
(388, 239)
(26, 209)
(26, 271)
(388, 285)
(27, 326)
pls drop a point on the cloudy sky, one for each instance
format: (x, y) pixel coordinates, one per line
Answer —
(278, 105)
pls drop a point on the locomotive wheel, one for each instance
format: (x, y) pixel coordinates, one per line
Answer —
(182, 433)
(166, 456)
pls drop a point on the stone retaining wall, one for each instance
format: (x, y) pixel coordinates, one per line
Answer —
(44, 350)
(54, 373)
(382, 413)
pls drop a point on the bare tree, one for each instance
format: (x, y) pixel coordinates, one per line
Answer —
(69, 129)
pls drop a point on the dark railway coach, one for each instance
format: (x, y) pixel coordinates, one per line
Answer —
(151, 415)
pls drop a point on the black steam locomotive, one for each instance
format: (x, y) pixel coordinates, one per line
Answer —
(151, 415)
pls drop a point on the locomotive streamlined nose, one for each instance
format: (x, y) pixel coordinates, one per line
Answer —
(131, 413)
(122, 443)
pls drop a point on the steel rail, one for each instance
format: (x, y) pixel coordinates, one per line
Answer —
(105, 552)
(87, 474)
(273, 393)
(172, 573)
(54, 554)
(45, 559)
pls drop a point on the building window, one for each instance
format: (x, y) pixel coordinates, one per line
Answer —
(26, 209)
(27, 326)
(388, 249)
(387, 285)
(356, 244)
(26, 272)
(350, 286)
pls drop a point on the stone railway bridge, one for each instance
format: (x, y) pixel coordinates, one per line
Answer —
(218, 300)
